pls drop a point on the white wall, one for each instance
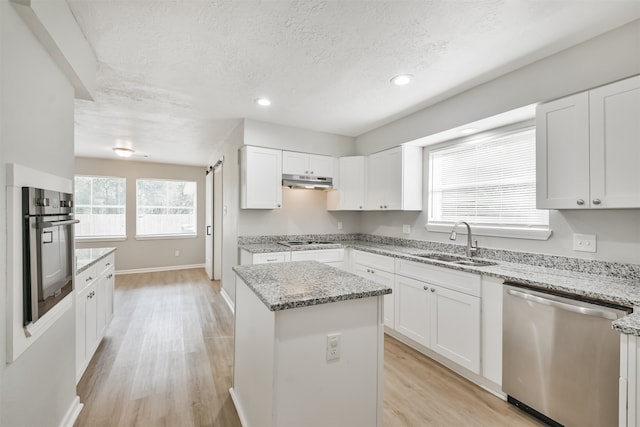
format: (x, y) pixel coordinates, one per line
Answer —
(270, 135)
(36, 130)
(135, 254)
(611, 56)
(303, 211)
(606, 58)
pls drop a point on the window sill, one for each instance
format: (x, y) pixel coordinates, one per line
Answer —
(167, 237)
(101, 239)
(507, 232)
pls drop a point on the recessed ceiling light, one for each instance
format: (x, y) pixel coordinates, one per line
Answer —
(468, 131)
(123, 152)
(402, 79)
(263, 102)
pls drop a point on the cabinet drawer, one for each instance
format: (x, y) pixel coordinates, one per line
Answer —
(379, 262)
(85, 278)
(322, 255)
(460, 281)
(270, 257)
(105, 263)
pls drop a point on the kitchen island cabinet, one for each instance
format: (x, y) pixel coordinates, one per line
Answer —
(308, 346)
(587, 149)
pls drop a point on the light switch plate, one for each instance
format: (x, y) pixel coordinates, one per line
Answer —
(584, 242)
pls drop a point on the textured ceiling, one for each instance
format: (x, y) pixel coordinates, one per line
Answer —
(175, 77)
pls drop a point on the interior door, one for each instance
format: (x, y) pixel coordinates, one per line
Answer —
(208, 214)
(217, 222)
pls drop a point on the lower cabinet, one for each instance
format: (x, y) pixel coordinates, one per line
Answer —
(94, 309)
(442, 316)
(379, 269)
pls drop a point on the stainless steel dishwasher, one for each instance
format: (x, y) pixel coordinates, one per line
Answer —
(561, 359)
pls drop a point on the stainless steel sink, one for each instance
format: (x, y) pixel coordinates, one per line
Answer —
(456, 259)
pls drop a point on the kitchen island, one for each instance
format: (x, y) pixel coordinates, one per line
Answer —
(308, 346)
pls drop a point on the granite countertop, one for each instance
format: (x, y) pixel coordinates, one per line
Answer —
(263, 248)
(282, 286)
(621, 291)
(85, 258)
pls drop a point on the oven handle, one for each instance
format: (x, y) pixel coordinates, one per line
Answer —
(47, 224)
(564, 306)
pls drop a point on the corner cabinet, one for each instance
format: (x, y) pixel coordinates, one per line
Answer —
(587, 149)
(260, 178)
(349, 185)
(394, 179)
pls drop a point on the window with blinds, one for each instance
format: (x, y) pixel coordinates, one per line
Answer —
(487, 182)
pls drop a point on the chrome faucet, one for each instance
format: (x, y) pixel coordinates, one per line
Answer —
(472, 247)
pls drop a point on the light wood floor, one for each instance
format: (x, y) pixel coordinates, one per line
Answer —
(167, 358)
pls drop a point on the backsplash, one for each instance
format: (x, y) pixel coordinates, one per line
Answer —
(596, 267)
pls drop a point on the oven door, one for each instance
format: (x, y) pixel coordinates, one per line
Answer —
(50, 264)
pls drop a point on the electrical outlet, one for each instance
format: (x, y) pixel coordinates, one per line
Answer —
(584, 242)
(333, 347)
(406, 229)
(339, 225)
(177, 252)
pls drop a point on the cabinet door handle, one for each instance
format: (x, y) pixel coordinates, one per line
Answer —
(426, 288)
(380, 206)
(88, 279)
(278, 205)
(433, 289)
(385, 206)
(360, 207)
(596, 201)
(306, 171)
(580, 202)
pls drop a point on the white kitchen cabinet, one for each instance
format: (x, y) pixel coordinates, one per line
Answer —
(332, 257)
(587, 149)
(248, 258)
(379, 269)
(94, 308)
(394, 179)
(307, 164)
(491, 313)
(349, 185)
(439, 308)
(412, 309)
(260, 178)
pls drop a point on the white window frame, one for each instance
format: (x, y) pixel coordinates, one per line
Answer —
(192, 235)
(532, 232)
(106, 237)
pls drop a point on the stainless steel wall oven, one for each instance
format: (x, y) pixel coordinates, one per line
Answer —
(47, 243)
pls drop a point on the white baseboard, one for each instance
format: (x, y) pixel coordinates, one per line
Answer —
(72, 414)
(157, 269)
(234, 398)
(227, 299)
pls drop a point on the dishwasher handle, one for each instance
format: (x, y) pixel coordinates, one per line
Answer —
(564, 306)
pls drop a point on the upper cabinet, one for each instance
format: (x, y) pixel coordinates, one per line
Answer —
(588, 149)
(260, 178)
(349, 184)
(394, 179)
(306, 164)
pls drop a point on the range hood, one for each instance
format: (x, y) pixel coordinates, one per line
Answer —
(307, 181)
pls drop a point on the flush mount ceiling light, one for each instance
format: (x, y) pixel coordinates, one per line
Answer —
(263, 102)
(402, 79)
(123, 152)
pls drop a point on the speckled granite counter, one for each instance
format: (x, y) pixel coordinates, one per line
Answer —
(87, 257)
(592, 279)
(282, 286)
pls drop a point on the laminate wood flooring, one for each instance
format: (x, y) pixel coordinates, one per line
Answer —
(167, 356)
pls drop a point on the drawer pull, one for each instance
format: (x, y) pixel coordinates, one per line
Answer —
(596, 201)
(88, 279)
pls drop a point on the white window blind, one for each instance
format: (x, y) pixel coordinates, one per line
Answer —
(490, 182)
